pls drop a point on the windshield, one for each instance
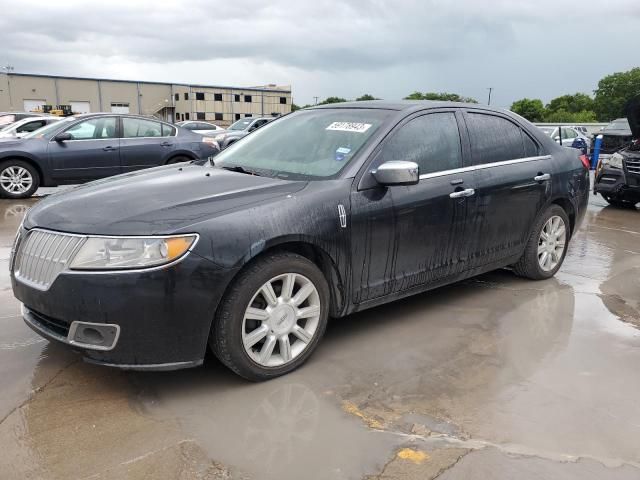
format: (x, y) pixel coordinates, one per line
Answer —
(547, 130)
(241, 124)
(5, 119)
(619, 124)
(49, 128)
(305, 145)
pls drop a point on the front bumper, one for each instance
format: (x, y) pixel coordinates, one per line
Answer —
(163, 316)
(613, 182)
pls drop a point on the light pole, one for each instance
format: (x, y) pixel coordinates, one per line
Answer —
(490, 90)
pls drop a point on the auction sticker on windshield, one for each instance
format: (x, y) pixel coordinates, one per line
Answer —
(349, 127)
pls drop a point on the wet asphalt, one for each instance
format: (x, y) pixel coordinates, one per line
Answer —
(495, 377)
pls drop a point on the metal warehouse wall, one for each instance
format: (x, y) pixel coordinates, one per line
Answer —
(18, 91)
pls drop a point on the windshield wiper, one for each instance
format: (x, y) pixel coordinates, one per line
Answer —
(239, 169)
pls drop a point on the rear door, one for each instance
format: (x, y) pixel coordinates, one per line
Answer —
(93, 152)
(414, 235)
(145, 143)
(513, 182)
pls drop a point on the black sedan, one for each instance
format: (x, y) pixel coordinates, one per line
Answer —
(90, 146)
(321, 213)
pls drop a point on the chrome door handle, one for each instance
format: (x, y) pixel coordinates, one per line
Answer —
(542, 178)
(166, 144)
(463, 193)
(109, 148)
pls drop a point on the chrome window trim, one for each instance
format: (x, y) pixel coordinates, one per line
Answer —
(483, 166)
(69, 271)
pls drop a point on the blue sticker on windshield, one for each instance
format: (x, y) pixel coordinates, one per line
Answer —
(341, 153)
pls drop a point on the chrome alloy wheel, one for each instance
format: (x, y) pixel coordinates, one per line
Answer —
(551, 243)
(15, 179)
(281, 320)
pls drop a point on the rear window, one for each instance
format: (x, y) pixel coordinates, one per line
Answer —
(495, 139)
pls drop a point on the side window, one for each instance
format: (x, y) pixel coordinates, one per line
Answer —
(530, 147)
(493, 139)
(168, 130)
(96, 128)
(432, 141)
(31, 126)
(136, 127)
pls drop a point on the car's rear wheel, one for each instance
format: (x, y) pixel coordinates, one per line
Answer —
(178, 159)
(18, 179)
(272, 317)
(547, 245)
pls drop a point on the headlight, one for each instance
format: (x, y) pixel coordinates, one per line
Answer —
(114, 253)
(219, 138)
(614, 160)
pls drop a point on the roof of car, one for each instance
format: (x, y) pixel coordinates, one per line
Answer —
(408, 105)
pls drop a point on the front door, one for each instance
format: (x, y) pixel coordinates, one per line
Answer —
(513, 182)
(93, 151)
(408, 237)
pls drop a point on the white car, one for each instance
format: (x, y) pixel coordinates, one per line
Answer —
(199, 127)
(27, 125)
(569, 134)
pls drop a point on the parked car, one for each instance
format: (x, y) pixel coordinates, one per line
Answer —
(324, 212)
(20, 128)
(617, 176)
(199, 127)
(239, 129)
(90, 146)
(581, 129)
(615, 136)
(10, 117)
(571, 137)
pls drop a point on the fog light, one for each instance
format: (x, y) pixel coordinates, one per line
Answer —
(93, 336)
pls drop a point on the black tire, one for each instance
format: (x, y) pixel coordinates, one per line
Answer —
(528, 266)
(226, 332)
(615, 202)
(35, 176)
(178, 159)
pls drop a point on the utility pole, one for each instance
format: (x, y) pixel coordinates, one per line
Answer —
(490, 90)
(316, 99)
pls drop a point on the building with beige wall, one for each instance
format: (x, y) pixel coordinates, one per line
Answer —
(168, 101)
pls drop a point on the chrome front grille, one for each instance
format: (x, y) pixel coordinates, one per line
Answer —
(633, 166)
(42, 255)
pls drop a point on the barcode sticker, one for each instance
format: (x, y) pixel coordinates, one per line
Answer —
(349, 127)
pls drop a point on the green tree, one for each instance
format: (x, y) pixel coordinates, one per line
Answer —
(441, 96)
(564, 116)
(614, 91)
(332, 100)
(294, 107)
(578, 102)
(366, 96)
(531, 109)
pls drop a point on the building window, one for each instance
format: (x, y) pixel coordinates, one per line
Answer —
(199, 95)
(247, 98)
(236, 98)
(200, 116)
(186, 115)
(237, 116)
(217, 97)
(177, 96)
(186, 96)
(283, 100)
(218, 116)
(247, 115)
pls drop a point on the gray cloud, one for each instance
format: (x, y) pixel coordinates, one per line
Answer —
(329, 47)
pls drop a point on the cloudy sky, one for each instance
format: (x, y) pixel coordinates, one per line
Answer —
(532, 48)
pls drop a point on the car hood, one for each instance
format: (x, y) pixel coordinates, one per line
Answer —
(162, 200)
(632, 112)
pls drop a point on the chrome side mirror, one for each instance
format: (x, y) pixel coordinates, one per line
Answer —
(397, 172)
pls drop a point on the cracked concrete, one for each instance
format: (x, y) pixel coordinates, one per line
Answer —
(495, 377)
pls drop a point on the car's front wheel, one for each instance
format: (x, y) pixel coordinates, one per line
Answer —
(547, 245)
(272, 317)
(18, 179)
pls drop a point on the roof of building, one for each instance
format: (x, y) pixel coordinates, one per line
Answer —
(192, 85)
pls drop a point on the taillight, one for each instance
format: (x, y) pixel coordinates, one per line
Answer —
(585, 161)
